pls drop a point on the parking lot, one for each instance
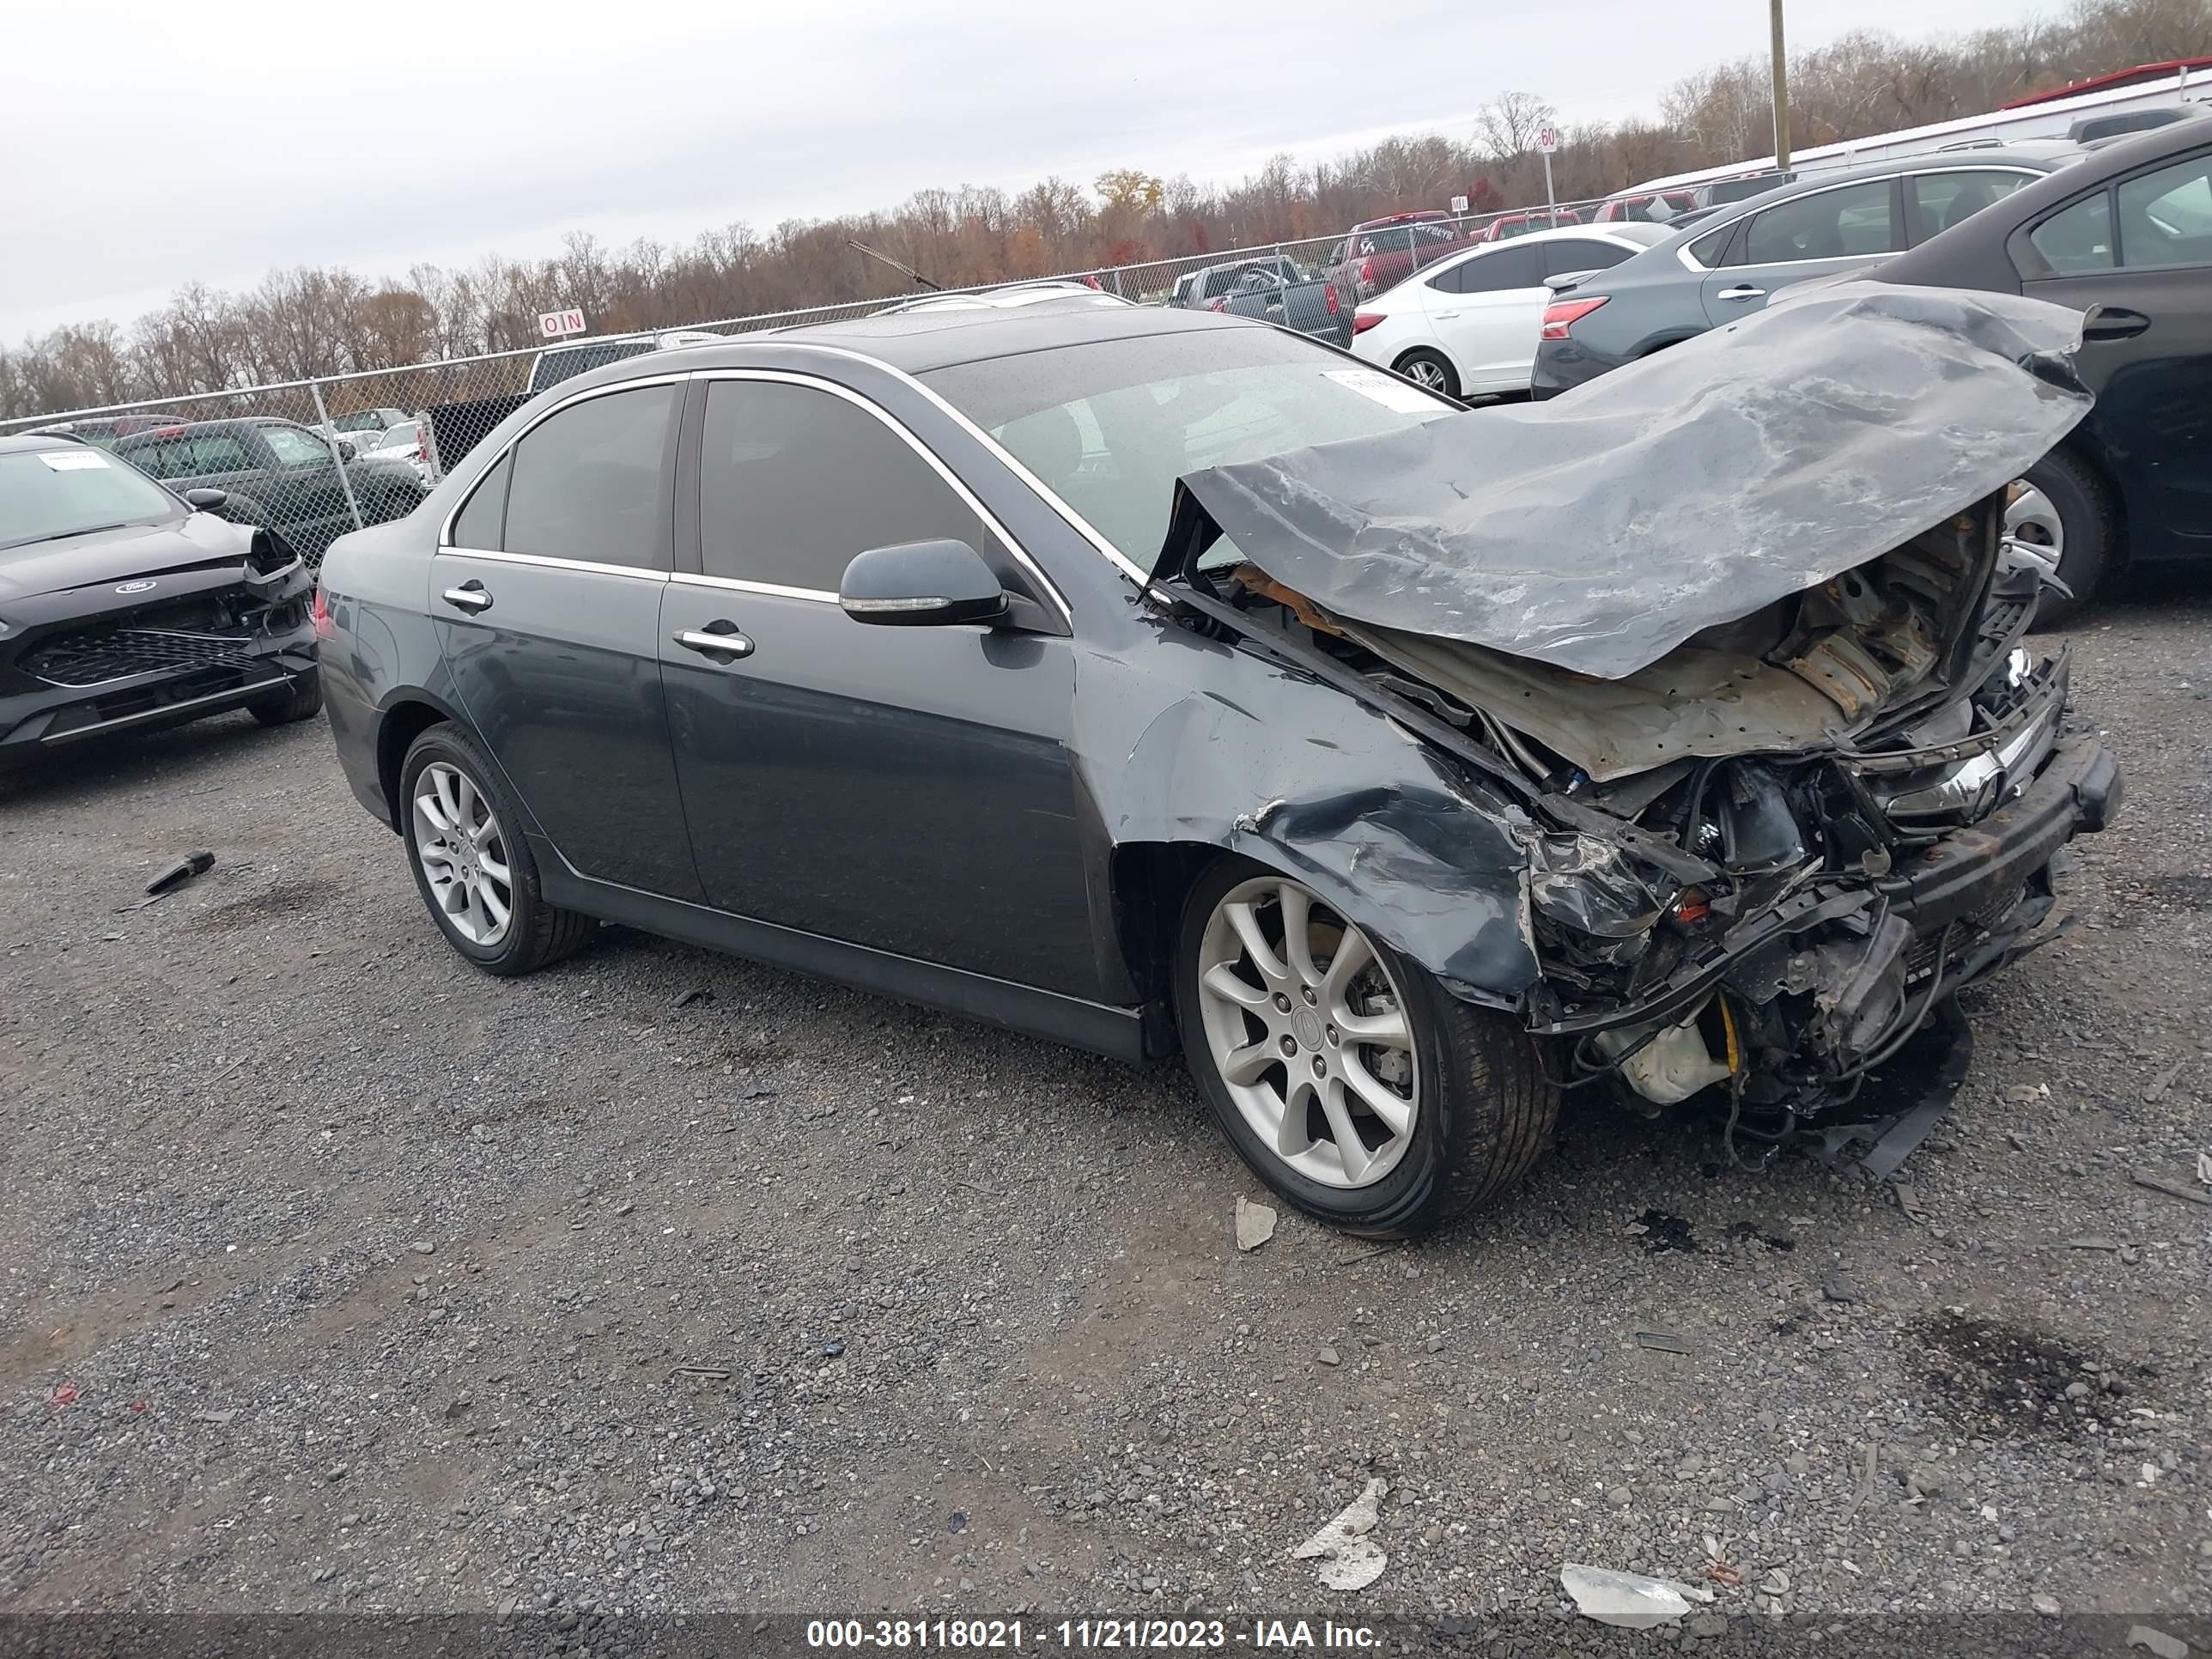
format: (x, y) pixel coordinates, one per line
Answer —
(341, 1276)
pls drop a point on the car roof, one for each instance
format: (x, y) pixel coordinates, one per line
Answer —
(25, 443)
(917, 341)
(2099, 166)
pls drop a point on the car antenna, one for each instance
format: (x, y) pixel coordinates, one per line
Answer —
(887, 259)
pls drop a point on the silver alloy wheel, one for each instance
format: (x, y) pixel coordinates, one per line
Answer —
(1309, 1032)
(2033, 525)
(1425, 371)
(463, 852)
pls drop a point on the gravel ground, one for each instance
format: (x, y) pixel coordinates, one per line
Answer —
(339, 1277)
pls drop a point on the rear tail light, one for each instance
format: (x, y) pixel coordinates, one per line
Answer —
(1221, 304)
(1328, 298)
(1561, 315)
(1364, 320)
(319, 610)
(1367, 273)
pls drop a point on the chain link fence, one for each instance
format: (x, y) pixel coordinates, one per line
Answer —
(309, 460)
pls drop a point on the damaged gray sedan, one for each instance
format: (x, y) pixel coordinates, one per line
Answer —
(1157, 682)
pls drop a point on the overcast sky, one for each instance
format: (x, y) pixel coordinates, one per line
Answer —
(151, 143)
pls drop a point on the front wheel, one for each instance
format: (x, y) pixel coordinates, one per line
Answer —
(302, 700)
(1425, 367)
(472, 864)
(2059, 516)
(1349, 1079)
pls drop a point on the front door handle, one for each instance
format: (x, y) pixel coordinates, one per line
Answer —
(470, 596)
(2114, 323)
(1741, 291)
(717, 639)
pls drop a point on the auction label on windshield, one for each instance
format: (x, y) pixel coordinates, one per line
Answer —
(1387, 390)
(1090, 1635)
(72, 460)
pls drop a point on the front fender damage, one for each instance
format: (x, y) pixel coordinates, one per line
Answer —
(1325, 790)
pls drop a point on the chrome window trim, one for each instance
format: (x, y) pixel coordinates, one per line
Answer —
(1962, 164)
(446, 528)
(771, 590)
(860, 400)
(552, 562)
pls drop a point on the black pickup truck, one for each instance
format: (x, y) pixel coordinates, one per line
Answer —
(276, 475)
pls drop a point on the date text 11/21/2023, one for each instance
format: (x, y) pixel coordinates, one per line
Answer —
(1170, 1635)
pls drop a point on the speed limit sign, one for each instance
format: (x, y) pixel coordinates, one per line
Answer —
(1547, 140)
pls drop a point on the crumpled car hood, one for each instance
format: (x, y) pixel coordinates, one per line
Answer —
(1600, 531)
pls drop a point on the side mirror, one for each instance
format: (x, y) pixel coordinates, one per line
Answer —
(346, 451)
(206, 501)
(921, 585)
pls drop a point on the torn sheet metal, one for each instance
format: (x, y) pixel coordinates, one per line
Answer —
(1600, 530)
(1305, 780)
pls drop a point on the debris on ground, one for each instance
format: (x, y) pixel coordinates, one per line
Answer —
(1908, 1200)
(64, 1395)
(1256, 1224)
(1327, 1356)
(2045, 1605)
(2171, 1188)
(1662, 1342)
(696, 993)
(1628, 1601)
(712, 1373)
(2204, 1167)
(2092, 1244)
(2154, 1091)
(2157, 1642)
(1663, 1231)
(227, 1415)
(1349, 1558)
(183, 870)
(1724, 1572)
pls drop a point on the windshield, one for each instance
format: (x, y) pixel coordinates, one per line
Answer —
(46, 494)
(1111, 425)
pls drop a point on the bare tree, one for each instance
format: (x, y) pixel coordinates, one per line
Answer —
(1508, 124)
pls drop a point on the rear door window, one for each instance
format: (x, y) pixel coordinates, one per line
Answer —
(1852, 220)
(1710, 249)
(1507, 268)
(295, 449)
(589, 481)
(2079, 237)
(1936, 201)
(2166, 216)
(479, 523)
(1581, 253)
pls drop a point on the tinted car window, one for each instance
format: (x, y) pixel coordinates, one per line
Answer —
(586, 482)
(793, 483)
(1512, 267)
(554, 367)
(191, 456)
(2166, 216)
(1938, 201)
(1708, 249)
(295, 449)
(1829, 224)
(2078, 237)
(1582, 254)
(478, 523)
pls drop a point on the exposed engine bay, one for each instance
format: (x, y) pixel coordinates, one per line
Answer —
(1761, 853)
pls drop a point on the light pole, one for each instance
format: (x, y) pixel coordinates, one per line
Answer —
(1781, 89)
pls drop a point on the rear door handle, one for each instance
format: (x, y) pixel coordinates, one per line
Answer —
(718, 639)
(470, 596)
(1741, 291)
(2114, 323)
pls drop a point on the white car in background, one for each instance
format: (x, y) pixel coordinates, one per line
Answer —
(1467, 325)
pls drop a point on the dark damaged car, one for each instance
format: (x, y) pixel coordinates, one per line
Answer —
(124, 607)
(1156, 682)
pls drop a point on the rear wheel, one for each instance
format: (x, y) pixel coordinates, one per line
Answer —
(1349, 1079)
(472, 864)
(2061, 517)
(1429, 369)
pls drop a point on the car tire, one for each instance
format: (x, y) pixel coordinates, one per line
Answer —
(302, 700)
(2064, 504)
(1432, 369)
(463, 789)
(1481, 1109)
